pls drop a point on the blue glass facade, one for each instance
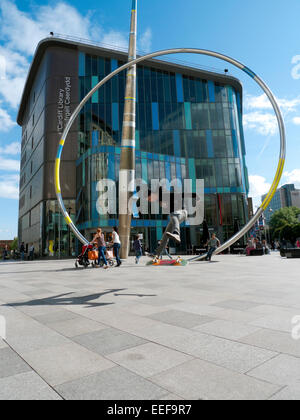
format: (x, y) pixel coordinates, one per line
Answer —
(187, 127)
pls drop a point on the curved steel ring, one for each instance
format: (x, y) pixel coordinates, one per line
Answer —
(230, 60)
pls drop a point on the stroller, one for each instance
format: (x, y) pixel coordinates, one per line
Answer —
(87, 254)
(109, 255)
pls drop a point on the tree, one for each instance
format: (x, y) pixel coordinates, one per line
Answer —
(296, 229)
(287, 232)
(14, 245)
(283, 217)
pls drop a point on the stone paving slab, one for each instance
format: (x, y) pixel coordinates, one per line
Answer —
(76, 327)
(205, 381)
(109, 340)
(11, 364)
(149, 359)
(281, 370)
(139, 332)
(274, 340)
(112, 384)
(181, 319)
(26, 386)
(66, 363)
(240, 305)
(278, 322)
(288, 393)
(227, 329)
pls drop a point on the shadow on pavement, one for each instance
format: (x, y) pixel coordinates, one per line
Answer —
(134, 294)
(68, 299)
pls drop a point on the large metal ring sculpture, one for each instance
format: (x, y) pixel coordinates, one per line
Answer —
(237, 64)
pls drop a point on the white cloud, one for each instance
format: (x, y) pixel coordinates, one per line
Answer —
(145, 42)
(21, 32)
(9, 186)
(16, 68)
(262, 102)
(258, 186)
(293, 177)
(9, 165)
(259, 118)
(264, 123)
(115, 40)
(6, 122)
(296, 69)
(296, 120)
(11, 149)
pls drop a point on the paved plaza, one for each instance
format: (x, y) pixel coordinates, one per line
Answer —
(220, 330)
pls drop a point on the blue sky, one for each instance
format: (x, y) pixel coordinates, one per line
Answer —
(263, 34)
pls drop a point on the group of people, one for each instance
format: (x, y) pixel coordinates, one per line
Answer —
(99, 241)
(213, 243)
(256, 244)
(21, 253)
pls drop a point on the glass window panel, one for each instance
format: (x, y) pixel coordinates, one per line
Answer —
(162, 172)
(156, 169)
(101, 67)
(154, 96)
(219, 143)
(167, 88)
(200, 116)
(173, 88)
(160, 86)
(192, 90)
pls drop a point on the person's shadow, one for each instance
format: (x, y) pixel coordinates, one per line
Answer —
(69, 299)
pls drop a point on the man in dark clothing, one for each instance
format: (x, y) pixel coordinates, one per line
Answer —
(22, 251)
(138, 249)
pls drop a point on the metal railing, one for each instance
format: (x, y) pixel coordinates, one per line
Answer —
(124, 49)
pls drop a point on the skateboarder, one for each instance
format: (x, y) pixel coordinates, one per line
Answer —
(178, 215)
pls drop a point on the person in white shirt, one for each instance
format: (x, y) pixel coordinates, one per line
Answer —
(117, 245)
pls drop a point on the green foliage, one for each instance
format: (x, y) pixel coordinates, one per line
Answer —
(14, 245)
(297, 231)
(283, 217)
(287, 233)
(285, 224)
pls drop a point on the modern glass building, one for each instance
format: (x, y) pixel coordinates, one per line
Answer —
(189, 125)
(285, 196)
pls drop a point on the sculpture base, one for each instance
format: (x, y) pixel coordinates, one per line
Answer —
(179, 262)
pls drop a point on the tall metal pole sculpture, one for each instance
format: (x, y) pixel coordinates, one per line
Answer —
(127, 163)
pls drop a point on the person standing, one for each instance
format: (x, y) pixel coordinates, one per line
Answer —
(22, 251)
(101, 245)
(5, 252)
(31, 252)
(298, 243)
(138, 249)
(117, 245)
(213, 244)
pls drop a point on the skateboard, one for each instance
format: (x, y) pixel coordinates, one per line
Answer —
(179, 262)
